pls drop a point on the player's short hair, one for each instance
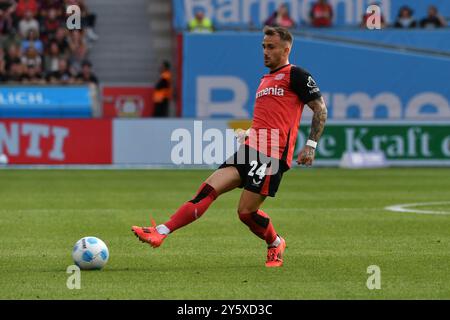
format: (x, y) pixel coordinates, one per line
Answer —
(284, 33)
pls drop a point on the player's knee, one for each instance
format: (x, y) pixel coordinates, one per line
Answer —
(206, 190)
(224, 180)
(251, 217)
(246, 208)
(245, 215)
(214, 184)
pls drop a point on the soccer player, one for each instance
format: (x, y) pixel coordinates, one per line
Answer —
(266, 153)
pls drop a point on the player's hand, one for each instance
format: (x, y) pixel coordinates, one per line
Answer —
(306, 156)
(240, 134)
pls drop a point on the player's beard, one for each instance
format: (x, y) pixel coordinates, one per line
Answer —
(271, 63)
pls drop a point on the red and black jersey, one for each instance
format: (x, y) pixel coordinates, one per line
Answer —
(279, 103)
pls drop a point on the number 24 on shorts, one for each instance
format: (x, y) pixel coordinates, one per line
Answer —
(260, 172)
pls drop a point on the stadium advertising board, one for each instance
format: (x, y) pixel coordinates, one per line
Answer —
(156, 141)
(209, 142)
(127, 101)
(46, 102)
(420, 39)
(357, 82)
(56, 141)
(403, 143)
(253, 13)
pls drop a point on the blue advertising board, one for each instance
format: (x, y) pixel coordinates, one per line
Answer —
(221, 73)
(434, 40)
(253, 13)
(45, 102)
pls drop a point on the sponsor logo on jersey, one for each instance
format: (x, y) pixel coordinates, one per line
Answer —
(311, 83)
(273, 91)
(256, 183)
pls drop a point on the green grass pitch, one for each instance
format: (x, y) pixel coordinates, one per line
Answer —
(333, 220)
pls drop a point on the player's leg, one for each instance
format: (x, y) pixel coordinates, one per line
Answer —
(262, 179)
(221, 181)
(261, 225)
(257, 220)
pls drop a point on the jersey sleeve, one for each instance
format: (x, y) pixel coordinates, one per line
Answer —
(304, 85)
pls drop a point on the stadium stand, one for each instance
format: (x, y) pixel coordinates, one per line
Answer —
(248, 15)
(36, 46)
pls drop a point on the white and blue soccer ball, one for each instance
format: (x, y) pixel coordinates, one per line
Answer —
(3, 159)
(90, 253)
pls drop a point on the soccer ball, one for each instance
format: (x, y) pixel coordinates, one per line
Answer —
(90, 253)
(3, 159)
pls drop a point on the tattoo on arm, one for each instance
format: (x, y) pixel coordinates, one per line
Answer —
(320, 117)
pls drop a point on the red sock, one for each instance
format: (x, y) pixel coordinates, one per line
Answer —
(193, 209)
(260, 224)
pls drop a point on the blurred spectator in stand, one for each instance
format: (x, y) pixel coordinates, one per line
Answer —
(50, 24)
(200, 23)
(23, 6)
(163, 91)
(405, 18)
(88, 19)
(15, 73)
(33, 76)
(281, 18)
(33, 40)
(78, 49)
(46, 5)
(433, 20)
(86, 75)
(12, 56)
(366, 16)
(8, 7)
(27, 23)
(61, 76)
(3, 74)
(321, 14)
(61, 40)
(6, 26)
(31, 57)
(52, 58)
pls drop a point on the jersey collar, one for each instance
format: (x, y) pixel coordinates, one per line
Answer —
(278, 69)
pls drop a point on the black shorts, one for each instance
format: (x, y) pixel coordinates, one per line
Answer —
(259, 173)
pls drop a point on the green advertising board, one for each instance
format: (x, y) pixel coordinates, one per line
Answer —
(403, 143)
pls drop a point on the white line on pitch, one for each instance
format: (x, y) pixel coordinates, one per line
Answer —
(405, 207)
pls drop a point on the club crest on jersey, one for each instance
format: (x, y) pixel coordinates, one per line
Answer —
(279, 76)
(273, 91)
